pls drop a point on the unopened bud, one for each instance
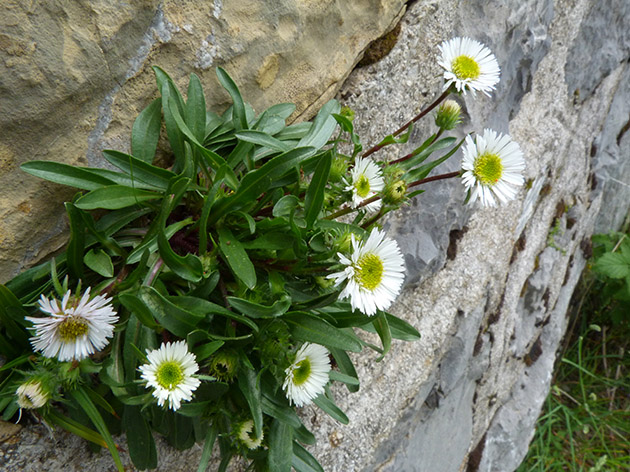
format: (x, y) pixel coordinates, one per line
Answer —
(338, 169)
(32, 394)
(395, 192)
(448, 115)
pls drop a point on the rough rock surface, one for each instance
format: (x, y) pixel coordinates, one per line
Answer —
(488, 288)
(74, 75)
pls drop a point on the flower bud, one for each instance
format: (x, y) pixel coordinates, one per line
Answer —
(347, 112)
(224, 365)
(448, 115)
(338, 169)
(395, 192)
(245, 434)
(32, 394)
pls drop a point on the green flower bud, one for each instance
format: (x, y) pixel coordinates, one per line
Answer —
(347, 112)
(448, 115)
(224, 365)
(338, 169)
(395, 192)
(343, 243)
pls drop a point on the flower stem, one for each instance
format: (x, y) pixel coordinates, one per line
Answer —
(416, 118)
(346, 210)
(449, 175)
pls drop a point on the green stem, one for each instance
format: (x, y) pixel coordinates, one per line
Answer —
(346, 210)
(449, 175)
(437, 101)
(411, 154)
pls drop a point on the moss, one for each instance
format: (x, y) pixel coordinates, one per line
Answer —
(379, 48)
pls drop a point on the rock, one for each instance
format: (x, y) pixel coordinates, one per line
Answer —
(75, 75)
(487, 288)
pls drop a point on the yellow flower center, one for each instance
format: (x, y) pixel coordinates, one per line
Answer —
(362, 186)
(169, 374)
(488, 168)
(72, 327)
(465, 67)
(302, 372)
(369, 273)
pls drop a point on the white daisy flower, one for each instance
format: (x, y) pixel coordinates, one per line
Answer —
(75, 328)
(375, 273)
(367, 181)
(469, 65)
(170, 373)
(308, 375)
(32, 395)
(493, 166)
(246, 436)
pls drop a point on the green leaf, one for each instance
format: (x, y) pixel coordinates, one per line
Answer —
(285, 206)
(138, 308)
(206, 350)
(196, 108)
(256, 310)
(74, 427)
(114, 197)
(271, 240)
(263, 139)
(238, 109)
(82, 398)
(65, 174)
(139, 439)
(11, 319)
(280, 447)
(76, 245)
(146, 132)
(281, 412)
(323, 126)
(332, 410)
(178, 321)
(420, 154)
(236, 257)
(188, 267)
(314, 198)
(424, 170)
(100, 262)
(206, 452)
(203, 308)
(303, 461)
(339, 377)
(382, 328)
(248, 384)
(169, 93)
(257, 182)
(613, 264)
(139, 170)
(305, 327)
(400, 329)
(344, 363)
(391, 139)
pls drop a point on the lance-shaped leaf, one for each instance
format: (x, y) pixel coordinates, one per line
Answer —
(420, 154)
(280, 447)
(329, 407)
(114, 197)
(238, 108)
(76, 246)
(139, 439)
(314, 198)
(236, 257)
(100, 262)
(138, 169)
(196, 108)
(178, 321)
(263, 139)
(303, 461)
(424, 170)
(248, 384)
(305, 327)
(66, 174)
(323, 126)
(145, 132)
(256, 310)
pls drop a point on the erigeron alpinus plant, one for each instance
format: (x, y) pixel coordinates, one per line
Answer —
(209, 300)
